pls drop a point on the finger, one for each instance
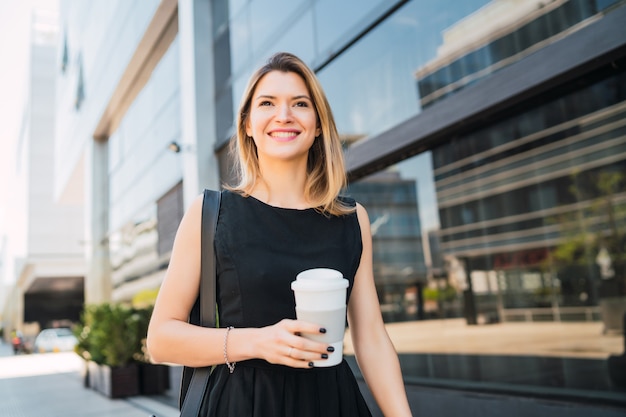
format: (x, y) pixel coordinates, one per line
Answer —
(299, 363)
(296, 331)
(301, 326)
(294, 359)
(313, 348)
(310, 352)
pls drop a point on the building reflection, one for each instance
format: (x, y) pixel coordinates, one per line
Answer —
(495, 36)
(399, 264)
(530, 213)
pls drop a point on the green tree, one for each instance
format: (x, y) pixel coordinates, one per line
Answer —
(595, 227)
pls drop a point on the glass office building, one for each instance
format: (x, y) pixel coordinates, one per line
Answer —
(487, 139)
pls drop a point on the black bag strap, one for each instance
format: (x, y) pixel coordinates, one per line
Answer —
(210, 212)
(195, 380)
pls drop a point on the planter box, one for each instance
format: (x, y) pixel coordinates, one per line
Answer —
(613, 310)
(93, 375)
(153, 379)
(117, 382)
(84, 373)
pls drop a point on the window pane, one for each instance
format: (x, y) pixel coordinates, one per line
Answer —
(269, 19)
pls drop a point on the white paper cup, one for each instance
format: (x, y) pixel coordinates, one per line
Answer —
(320, 295)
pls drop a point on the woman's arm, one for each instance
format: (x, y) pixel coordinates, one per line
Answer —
(172, 339)
(374, 351)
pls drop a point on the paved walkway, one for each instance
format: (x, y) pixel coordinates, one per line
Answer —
(545, 339)
(50, 385)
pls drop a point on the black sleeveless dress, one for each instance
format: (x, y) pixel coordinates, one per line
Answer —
(260, 249)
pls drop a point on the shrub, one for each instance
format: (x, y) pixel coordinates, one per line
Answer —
(111, 334)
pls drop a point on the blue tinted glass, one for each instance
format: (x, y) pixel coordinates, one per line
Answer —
(271, 19)
(336, 20)
(509, 235)
(240, 40)
(603, 4)
(439, 47)
(373, 86)
(219, 10)
(297, 39)
(234, 6)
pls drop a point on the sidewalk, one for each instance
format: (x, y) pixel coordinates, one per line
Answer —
(50, 385)
(505, 355)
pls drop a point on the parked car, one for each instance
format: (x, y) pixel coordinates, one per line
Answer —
(55, 340)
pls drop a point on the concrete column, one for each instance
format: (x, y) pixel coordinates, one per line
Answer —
(18, 308)
(98, 286)
(197, 93)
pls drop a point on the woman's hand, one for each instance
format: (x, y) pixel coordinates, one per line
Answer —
(283, 343)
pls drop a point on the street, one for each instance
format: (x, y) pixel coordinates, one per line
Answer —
(50, 385)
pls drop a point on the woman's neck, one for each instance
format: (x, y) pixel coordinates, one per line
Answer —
(282, 185)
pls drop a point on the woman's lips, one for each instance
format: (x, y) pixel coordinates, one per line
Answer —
(284, 136)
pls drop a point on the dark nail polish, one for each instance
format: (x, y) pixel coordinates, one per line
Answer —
(322, 330)
(324, 356)
(330, 349)
(311, 364)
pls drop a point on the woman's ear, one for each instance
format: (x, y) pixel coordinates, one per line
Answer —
(248, 129)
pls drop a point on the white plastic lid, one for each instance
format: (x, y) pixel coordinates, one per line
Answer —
(319, 279)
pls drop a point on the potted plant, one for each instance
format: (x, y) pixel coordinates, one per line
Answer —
(153, 378)
(108, 339)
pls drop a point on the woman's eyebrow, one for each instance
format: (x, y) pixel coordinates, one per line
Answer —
(260, 96)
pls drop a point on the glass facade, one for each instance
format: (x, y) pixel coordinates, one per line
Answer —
(499, 253)
(515, 33)
(532, 230)
(245, 35)
(433, 57)
(399, 262)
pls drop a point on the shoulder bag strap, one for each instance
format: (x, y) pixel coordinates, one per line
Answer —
(200, 378)
(210, 212)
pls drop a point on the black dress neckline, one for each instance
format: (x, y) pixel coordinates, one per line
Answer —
(264, 204)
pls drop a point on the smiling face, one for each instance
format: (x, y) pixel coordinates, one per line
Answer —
(282, 119)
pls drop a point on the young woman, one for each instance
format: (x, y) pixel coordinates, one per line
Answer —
(284, 216)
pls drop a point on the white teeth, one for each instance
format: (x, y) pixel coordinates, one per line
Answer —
(283, 134)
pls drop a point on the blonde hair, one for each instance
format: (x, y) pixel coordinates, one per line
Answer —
(325, 166)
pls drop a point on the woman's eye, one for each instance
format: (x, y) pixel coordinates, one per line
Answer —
(302, 104)
(265, 103)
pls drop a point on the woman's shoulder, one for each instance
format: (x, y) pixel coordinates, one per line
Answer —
(347, 206)
(347, 201)
(357, 210)
(232, 194)
(351, 204)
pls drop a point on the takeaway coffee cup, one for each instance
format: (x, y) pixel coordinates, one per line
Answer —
(320, 295)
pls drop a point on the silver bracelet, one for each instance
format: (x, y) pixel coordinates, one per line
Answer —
(231, 366)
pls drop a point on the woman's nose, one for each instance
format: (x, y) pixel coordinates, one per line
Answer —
(284, 113)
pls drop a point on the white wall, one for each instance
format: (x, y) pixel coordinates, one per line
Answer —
(53, 228)
(103, 35)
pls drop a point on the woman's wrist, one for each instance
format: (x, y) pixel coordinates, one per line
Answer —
(229, 364)
(240, 344)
